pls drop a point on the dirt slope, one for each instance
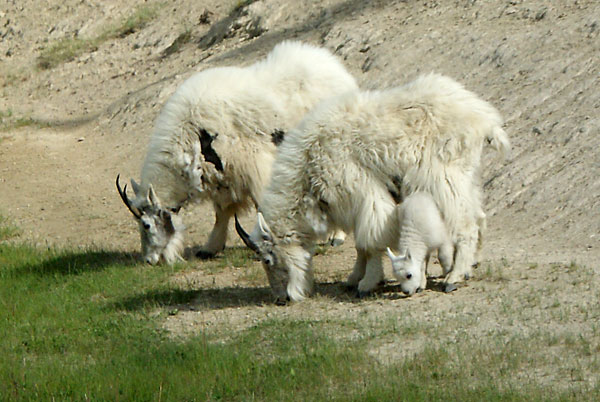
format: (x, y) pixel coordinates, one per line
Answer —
(536, 61)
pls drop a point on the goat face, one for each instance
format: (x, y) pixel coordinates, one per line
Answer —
(161, 229)
(261, 241)
(407, 271)
(160, 237)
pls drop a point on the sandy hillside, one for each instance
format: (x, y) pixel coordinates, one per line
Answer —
(536, 61)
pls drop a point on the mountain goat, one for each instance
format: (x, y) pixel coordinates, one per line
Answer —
(422, 231)
(215, 139)
(352, 159)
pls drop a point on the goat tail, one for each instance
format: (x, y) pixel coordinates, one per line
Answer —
(498, 139)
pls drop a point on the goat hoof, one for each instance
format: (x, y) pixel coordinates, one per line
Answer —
(205, 255)
(281, 301)
(363, 295)
(450, 287)
(336, 242)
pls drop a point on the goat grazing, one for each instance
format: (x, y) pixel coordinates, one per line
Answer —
(422, 231)
(353, 158)
(215, 139)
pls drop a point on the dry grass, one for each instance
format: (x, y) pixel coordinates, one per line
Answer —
(68, 49)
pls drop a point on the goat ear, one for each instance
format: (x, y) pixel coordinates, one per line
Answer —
(152, 197)
(407, 256)
(135, 187)
(265, 231)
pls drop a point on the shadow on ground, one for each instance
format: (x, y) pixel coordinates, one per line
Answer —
(240, 296)
(76, 263)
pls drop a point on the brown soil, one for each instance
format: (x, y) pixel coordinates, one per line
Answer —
(536, 61)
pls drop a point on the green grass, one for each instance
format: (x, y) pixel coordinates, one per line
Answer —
(69, 48)
(86, 325)
(7, 229)
(10, 122)
(231, 257)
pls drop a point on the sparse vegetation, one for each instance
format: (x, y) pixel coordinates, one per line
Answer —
(493, 272)
(65, 50)
(11, 79)
(8, 121)
(7, 229)
(241, 4)
(68, 49)
(181, 40)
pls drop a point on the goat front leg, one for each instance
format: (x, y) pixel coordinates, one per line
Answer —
(359, 269)
(373, 274)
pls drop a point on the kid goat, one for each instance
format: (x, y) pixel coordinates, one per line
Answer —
(422, 231)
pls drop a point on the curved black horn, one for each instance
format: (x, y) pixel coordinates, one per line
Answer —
(123, 194)
(244, 236)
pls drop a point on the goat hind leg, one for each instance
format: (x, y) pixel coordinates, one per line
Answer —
(218, 235)
(337, 237)
(463, 261)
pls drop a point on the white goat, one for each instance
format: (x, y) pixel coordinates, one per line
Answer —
(351, 161)
(422, 231)
(215, 139)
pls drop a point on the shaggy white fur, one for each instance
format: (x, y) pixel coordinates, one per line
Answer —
(214, 138)
(422, 231)
(353, 158)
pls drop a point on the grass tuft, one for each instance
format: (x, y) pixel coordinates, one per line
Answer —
(7, 229)
(68, 49)
(65, 50)
(178, 43)
(241, 4)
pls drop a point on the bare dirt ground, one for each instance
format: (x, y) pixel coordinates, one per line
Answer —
(538, 62)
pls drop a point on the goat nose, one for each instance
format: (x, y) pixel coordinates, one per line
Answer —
(152, 259)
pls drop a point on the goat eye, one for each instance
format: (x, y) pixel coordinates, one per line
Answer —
(408, 276)
(146, 226)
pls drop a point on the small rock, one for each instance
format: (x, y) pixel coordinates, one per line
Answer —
(367, 64)
(541, 14)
